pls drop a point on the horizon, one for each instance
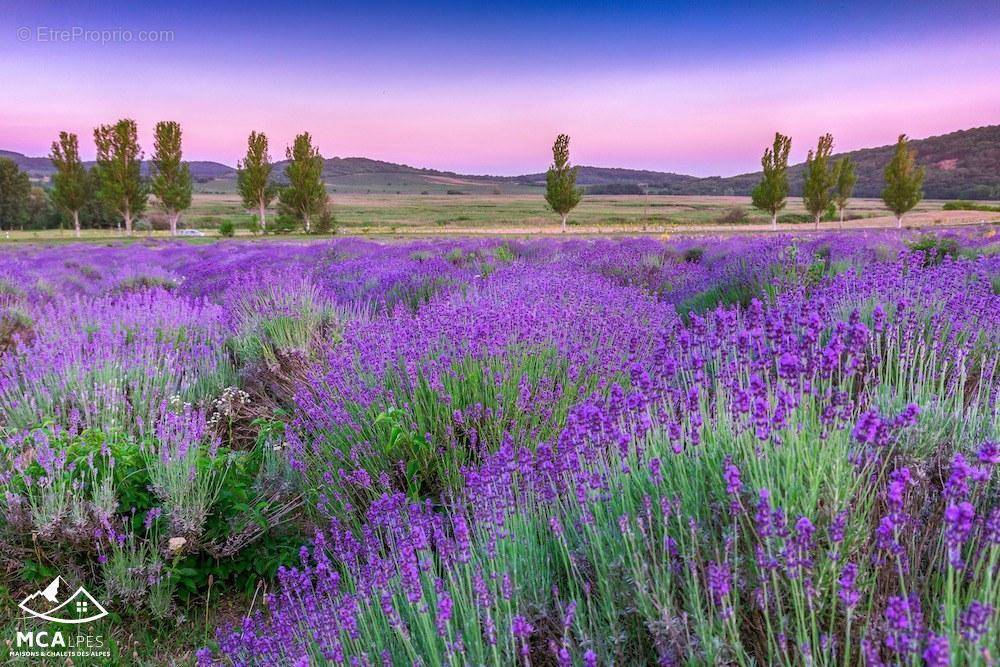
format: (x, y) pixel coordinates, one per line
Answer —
(665, 88)
(537, 172)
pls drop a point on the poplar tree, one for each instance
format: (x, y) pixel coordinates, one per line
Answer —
(845, 177)
(119, 162)
(70, 189)
(903, 181)
(253, 177)
(819, 180)
(305, 195)
(15, 191)
(560, 180)
(171, 181)
(770, 194)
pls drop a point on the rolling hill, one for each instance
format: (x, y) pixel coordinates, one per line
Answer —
(960, 165)
(41, 167)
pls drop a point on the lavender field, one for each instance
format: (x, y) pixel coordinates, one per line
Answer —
(706, 451)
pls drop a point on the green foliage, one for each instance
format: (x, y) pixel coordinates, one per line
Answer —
(561, 192)
(325, 223)
(227, 228)
(770, 194)
(304, 198)
(253, 177)
(935, 248)
(420, 443)
(818, 178)
(503, 254)
(694, 255)
(171, 181)
(845, 178)
(224, 504)
(736, 291)
(15, 187)
(903, 181)
(961, 205)
(119, 161)
(275, 319)
(830, 213)
(284, 224)
(70, 189)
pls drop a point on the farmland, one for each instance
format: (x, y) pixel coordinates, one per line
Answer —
(441, 214)
(771, 448)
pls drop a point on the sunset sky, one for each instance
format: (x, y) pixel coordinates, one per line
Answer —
(696, 89)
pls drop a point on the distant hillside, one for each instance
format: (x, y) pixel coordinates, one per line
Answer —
(960, 165)
(41, 167)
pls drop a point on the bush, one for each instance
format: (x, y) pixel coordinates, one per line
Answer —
(935, 248)
(831, 213)
(227, 229)
(284, 224)
(325, 224)
(694, 255)
(150, 518)
(158, 221)
(962, 205)
(734, 216)
(794, 218)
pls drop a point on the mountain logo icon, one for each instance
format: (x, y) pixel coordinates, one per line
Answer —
(80, 607)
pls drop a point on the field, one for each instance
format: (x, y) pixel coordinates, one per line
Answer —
(440, 214)
(753, 449)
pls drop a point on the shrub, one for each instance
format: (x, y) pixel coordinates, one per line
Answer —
(935, 248)
(734, 216)
(962, 205)
(694, 255)
(227, 228)
(325, 223)
(150, 517)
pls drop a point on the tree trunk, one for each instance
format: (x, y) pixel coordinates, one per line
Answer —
(899, 221)
(774, 220)
(816, 220)
(260, 213)
(305, 220)
(76, 223)
(128, 222)
(563, 215)
(841, 218)
(173, 222)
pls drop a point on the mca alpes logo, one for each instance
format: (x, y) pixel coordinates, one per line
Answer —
(80, 607)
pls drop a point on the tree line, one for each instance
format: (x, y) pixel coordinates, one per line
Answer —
(115, 187)
(115, 191)
(825, 185)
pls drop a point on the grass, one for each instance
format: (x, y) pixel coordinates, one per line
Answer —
(477, 212)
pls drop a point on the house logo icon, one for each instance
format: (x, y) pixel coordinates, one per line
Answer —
(80, 607)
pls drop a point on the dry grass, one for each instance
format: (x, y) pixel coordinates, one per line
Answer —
(438, 214)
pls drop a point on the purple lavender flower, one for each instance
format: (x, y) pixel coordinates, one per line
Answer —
(904, 624)
(848, 593)
(520, 627)
(958, 520)
(989, 453)
(975, 621)
(937, 652)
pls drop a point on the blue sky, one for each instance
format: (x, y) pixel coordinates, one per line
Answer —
(696, 88)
